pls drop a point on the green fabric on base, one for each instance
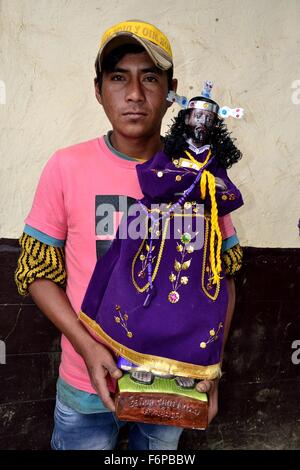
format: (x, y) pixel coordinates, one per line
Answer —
(160, 385)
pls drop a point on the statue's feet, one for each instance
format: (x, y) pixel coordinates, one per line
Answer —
(142, 377)
(185, 382)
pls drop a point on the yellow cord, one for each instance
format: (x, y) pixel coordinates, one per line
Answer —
(208, 178)
(199, 165)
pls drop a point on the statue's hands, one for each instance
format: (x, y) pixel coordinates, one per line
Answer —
(211, 388)
(220, 184)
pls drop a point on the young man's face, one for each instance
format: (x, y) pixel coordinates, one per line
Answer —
(133, 96)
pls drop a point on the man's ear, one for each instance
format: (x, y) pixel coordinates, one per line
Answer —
(97, 91)
(174, 84)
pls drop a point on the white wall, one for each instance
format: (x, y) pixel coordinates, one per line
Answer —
(250, 49)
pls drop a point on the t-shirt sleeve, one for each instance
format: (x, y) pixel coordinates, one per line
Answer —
(48, 212)
(39, 261)
(229, 235)
(226, 226)
(232, 253)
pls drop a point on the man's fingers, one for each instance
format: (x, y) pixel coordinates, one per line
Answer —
(103, 392)
(113, 370)
(204, 386)
(210, 387)
(107, 400)
(115, 373)
(99, 363)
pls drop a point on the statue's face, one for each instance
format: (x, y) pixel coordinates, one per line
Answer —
(200, 123)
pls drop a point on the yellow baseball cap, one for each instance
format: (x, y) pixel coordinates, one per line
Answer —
(151, 38)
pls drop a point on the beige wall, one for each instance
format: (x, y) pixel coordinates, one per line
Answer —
(250, 49)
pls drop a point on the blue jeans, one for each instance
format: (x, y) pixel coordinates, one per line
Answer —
(99, 431)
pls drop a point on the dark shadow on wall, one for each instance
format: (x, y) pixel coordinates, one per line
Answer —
(259, 391)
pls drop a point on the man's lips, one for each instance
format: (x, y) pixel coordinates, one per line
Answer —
(134, 114)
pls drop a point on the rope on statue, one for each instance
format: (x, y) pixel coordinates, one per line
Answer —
(208, 179)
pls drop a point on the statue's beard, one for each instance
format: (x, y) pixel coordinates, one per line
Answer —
(199, 136)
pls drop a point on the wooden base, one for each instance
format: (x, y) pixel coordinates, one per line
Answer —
(161, 403)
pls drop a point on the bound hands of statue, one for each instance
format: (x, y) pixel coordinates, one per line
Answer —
(220, 184)
(211, 388)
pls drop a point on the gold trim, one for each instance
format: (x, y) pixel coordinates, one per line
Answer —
(185, 163)
(143, 289)
(163, 365)
(198, 164)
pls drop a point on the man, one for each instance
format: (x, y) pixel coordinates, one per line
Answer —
(63, 234)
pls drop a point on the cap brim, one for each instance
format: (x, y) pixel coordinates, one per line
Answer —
(159, 57)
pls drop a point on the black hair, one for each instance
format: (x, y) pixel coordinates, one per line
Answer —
(113, 58)
(220, 140)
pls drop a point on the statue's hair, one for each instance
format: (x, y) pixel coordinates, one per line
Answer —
(220, 140)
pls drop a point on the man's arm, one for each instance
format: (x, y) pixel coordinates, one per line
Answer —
(41, 272)
(54, 303)
(230, 311)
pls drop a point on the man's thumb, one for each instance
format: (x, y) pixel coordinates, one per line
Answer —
(114, 372)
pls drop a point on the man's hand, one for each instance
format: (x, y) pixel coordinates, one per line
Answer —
(211, 388)
(99, 363)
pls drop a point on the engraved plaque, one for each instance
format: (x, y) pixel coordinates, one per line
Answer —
(187, 409)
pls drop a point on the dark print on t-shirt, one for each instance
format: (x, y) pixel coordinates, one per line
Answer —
(109, 210)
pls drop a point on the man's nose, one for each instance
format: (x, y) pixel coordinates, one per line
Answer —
(135, 91)
(202, 119)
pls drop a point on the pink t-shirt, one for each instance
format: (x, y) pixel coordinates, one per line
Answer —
(69, 205)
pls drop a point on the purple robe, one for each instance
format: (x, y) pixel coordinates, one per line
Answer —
(179, 330)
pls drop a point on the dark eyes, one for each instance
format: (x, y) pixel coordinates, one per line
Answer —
(147, 78)
(208, 119)
(117, 78)
(151, 78)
